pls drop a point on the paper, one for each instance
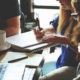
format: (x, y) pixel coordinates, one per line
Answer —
(23, 39)
(32, 60)
(13, 55)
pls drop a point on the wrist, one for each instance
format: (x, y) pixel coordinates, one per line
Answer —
(69, 41)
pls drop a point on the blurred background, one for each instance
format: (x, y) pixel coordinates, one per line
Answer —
(46, 10)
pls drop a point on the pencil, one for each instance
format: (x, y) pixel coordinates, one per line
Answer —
(17, 59)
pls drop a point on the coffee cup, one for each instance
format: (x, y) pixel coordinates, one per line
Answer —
(2, 39)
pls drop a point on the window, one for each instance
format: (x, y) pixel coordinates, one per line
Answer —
(46, 10)
(46, 2)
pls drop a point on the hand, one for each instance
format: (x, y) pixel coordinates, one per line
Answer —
(50, 38)
(78, 57)
(78, 54)
(38, 33)
(53, 38)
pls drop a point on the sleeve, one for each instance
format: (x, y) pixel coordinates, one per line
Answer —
(12, 7)
(54, 23)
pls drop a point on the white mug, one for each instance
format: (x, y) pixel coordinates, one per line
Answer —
(2, 39)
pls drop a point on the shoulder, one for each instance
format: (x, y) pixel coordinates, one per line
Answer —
(12, 8)
(9, 2)
(55, 20)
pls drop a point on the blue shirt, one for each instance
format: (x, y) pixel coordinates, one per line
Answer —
(67, 57)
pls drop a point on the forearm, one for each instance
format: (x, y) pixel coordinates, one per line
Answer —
(60, 39)
(71, 45)
(10, 31)
(49, 30)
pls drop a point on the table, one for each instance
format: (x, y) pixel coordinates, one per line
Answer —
(31, 64)
(33, 60)
(36, 57)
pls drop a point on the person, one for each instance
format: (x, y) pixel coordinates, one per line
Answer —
(78, 67)
(61, 32)
(10, 17)
(76, 36)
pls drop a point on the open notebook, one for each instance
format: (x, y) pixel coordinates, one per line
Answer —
(32, 60)
(27, 42)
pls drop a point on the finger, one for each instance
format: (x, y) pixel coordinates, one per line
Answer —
(36, 31)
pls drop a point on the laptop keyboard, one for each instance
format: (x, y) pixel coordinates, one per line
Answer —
(2, 70)
(29, 73)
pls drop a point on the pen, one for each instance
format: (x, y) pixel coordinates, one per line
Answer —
(38, 23)
(17, 59)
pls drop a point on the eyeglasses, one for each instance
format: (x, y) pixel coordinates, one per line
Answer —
(75, 15)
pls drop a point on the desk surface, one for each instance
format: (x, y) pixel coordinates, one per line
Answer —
(29, 62)
(20, 39)
(33, 59)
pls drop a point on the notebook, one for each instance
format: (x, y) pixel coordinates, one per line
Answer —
(27, 42)
(28, 61)
(23, 40)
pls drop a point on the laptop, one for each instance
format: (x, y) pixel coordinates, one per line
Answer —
(16, 71)
(11, 71)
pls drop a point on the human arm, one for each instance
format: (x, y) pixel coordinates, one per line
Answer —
(51, 29)
(78, 53)
(40, 33)
(11, 17)
(13, 26)
(59, 39)
(54, 38)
